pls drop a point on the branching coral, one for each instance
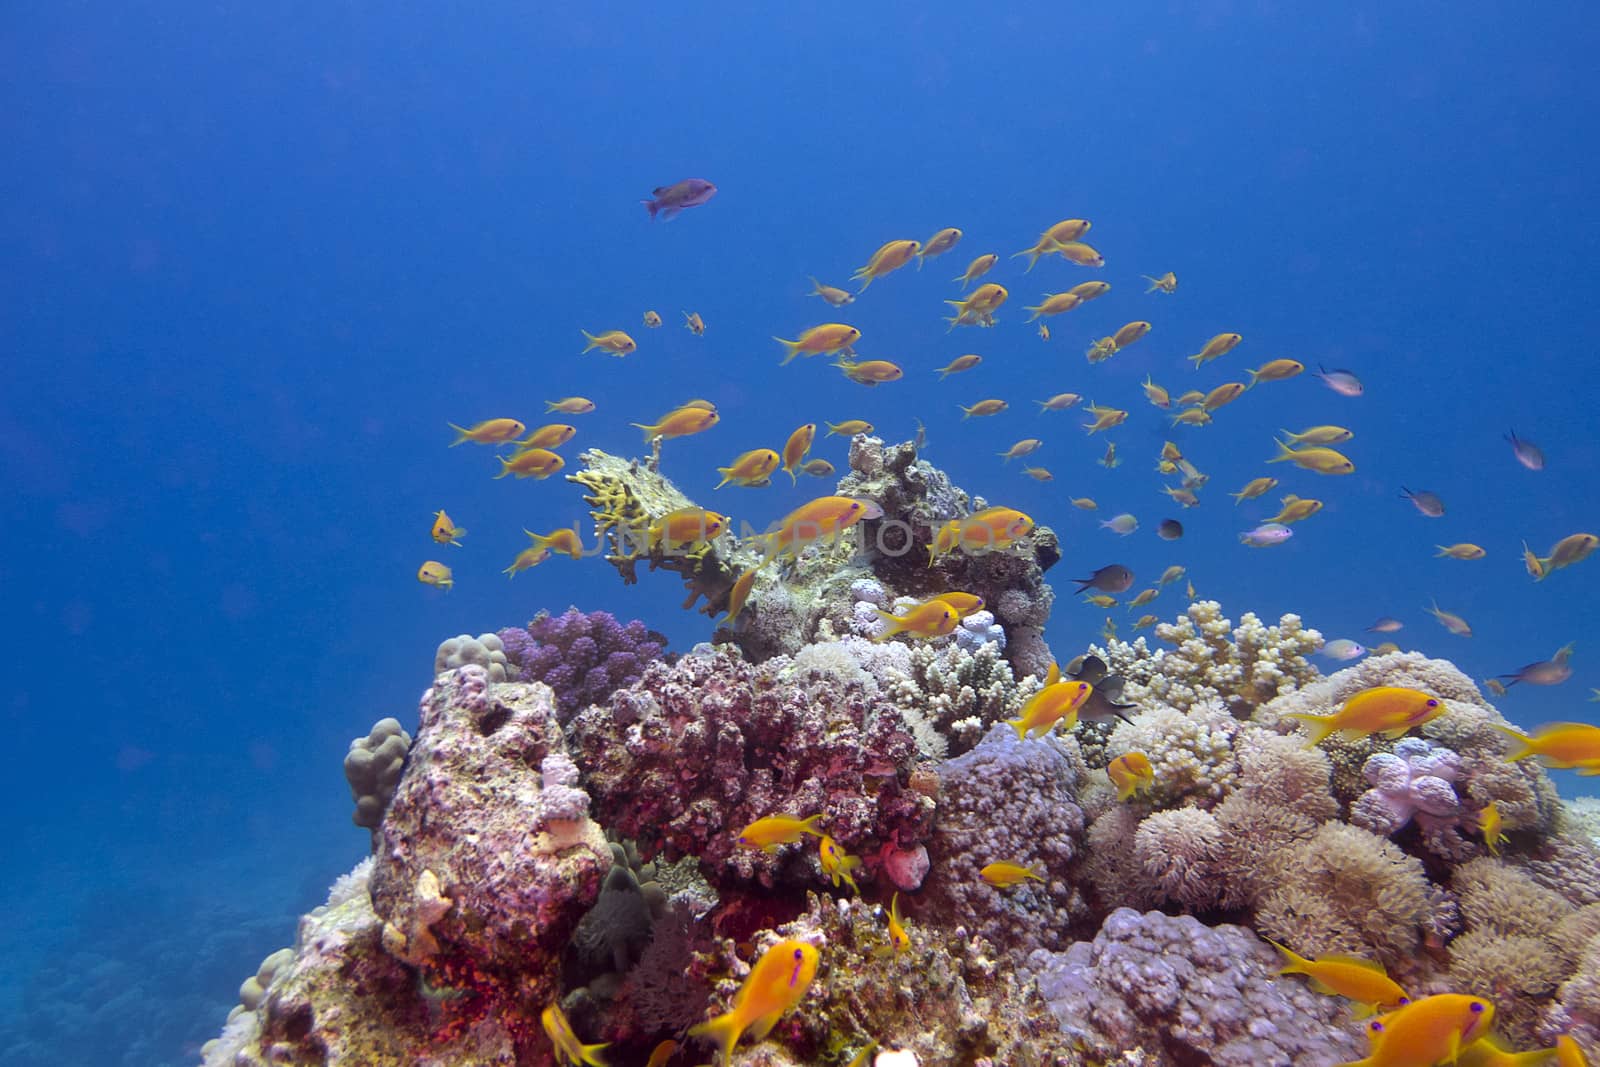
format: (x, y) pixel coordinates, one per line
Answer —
(1191, 754)
(582, 656)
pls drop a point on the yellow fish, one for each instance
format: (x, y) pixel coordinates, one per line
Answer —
(1084, 503)
(1320, 460)
(652, 319)
(1004, 875)
(1569, 550)
(899, 940)
(1318, 435)
(1275, 371)
(488, 432)
(1025, 447)
(752, 468)
(1155, 394)
(1078, 252)
(931, 618)
(767, 834)
(1562, 745)
(1193, 396)
(568, 542)
(796, 447)
(1534, 565)
(535, 463)
(983, 407)
(1428, 1031)
(446, 532)
(817, 468)
(1167, 283)
(1044, 332)
(1256, 487)
(1450, 621)
(1362, 981)
(1220, 345)
(1461, 551)
(740, 593)
(848, 428)
(1295, 508)
(1059, 402)
(837, 863)
(938, 244)
(1104, 419)
(1172, 574)
(614, 341)
(527, 558)
(1389, 710)
(978, 309)
(822, 340)
(1131, 773)
(662, 1053)
(680, 529)
(1490, 826)
(1129, 333)
(568, 1048)
(1101, 350)
(1144, 597)
(1052, 704)
(1087, 291)
(1224, 394)
(680, 422)
(826, 517)
(836, 297)
(1039, 474)
(959, 364)
(889, 257)
(1144, 622)
(1568, 1054)
(1101, 600)
(963, 604)
(435, 574)
(777, 983)
(1053, 304)
(694, 323)
(1489, 1051)
(554, 435)
(869, 371)
(569, 405)
(977, 269)
(1192, 417)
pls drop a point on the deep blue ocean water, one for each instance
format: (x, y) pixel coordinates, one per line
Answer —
(255, 256)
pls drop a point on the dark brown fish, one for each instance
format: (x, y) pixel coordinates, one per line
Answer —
(1112, 578)
(1552, 671)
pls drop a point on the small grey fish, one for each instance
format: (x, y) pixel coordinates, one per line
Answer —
(1552, 671)
(1528, 454)
(1386, 625)
(1266, 535)
(1452, 622)
(1344, 649)
(1112, 578)
(1428, 503)
(1341, 381)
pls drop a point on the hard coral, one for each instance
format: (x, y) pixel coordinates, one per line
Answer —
(372, 768)
(583, 657)
(1416, 780)
(1010, 800)
(691, 753)
(1188, 993)
(488, 857)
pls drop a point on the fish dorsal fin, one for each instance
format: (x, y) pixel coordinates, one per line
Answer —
(1356, 961)
(1053, 675)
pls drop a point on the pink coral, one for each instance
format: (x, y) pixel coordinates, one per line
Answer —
(1413, 781)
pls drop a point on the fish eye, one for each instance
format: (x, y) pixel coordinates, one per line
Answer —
(1477, 1006)
(1377, 1028)
(1433, 703)
(799, 955)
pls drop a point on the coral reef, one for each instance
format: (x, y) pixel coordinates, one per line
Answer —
(485, 651)
(582, 657)
(694, 751)
(1183, 993)
(372, 767)
(488, 857)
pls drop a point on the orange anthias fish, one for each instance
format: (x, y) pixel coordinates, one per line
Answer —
(1218, 346)
(938, 244)
(837, 863)
(869, 371)
(740, 593)
(679, 422)
(964, 604)
(614, 341)
(777, 983)
(1389, 710)
(1428, 1031)
(932, 618)
(553, 435)
(767, 834)
(899, 940)
(1052, 704)
(1568, 1054)
(527, 558)
(796, 447)
(1362, 981)
(1490, 1051)
(445, 531)
(535, 463)
(488, 432)
(824, 517)
(435, 574)
(978, 309)
(1131, 773)
(1561, 745)
(889, 257)
(568, 1048)
(752, 468)
(1003, 874)
(977, 269)
(570, 405)
(822, 340)
(568, 542)
(677, 530)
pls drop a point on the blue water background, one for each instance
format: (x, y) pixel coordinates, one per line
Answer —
(255, 256)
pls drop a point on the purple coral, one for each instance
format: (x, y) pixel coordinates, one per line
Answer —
(583, 656)
(1415, 781)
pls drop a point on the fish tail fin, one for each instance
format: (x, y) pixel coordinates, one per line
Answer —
(594, 342)
(1284, 452)
(724, 1030)
(1527, 745)
(1293, 962)
(651, 206)
(809, 825)
(921, 258)
(794, 479)
(505, 466)
(1154, 285)
(816, 286)
(1319, 726)
(727, 473)
(649, 431)
(1020, 726)
(894, 627)
(1254, 377)
(792, 350)
(461, 434)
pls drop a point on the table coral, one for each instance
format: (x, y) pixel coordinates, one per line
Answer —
(1010, 800)
(583, 656)
(488, 858)
(1194, 993)
(694, 751)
